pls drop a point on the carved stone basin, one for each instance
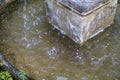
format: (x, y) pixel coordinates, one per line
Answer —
(81, 19)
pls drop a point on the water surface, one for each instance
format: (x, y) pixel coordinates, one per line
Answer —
(33, 45)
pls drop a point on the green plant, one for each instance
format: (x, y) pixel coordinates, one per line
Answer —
(5, 75)
(22, 75)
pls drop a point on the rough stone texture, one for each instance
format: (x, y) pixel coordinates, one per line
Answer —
(4, 3)
(82, 5)
(81, 26)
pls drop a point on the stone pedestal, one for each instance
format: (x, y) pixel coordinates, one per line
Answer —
(81, 19)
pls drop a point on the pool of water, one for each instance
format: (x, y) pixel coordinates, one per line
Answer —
(33, 45)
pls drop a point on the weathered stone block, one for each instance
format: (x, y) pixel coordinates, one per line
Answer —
(81, 19)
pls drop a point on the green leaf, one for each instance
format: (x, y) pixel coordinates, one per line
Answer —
(22, 75)
(1, 64)
(10, 78)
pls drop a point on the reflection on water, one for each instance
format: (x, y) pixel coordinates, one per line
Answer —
(33, 45)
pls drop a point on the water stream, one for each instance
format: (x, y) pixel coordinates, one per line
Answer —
(33, 45)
